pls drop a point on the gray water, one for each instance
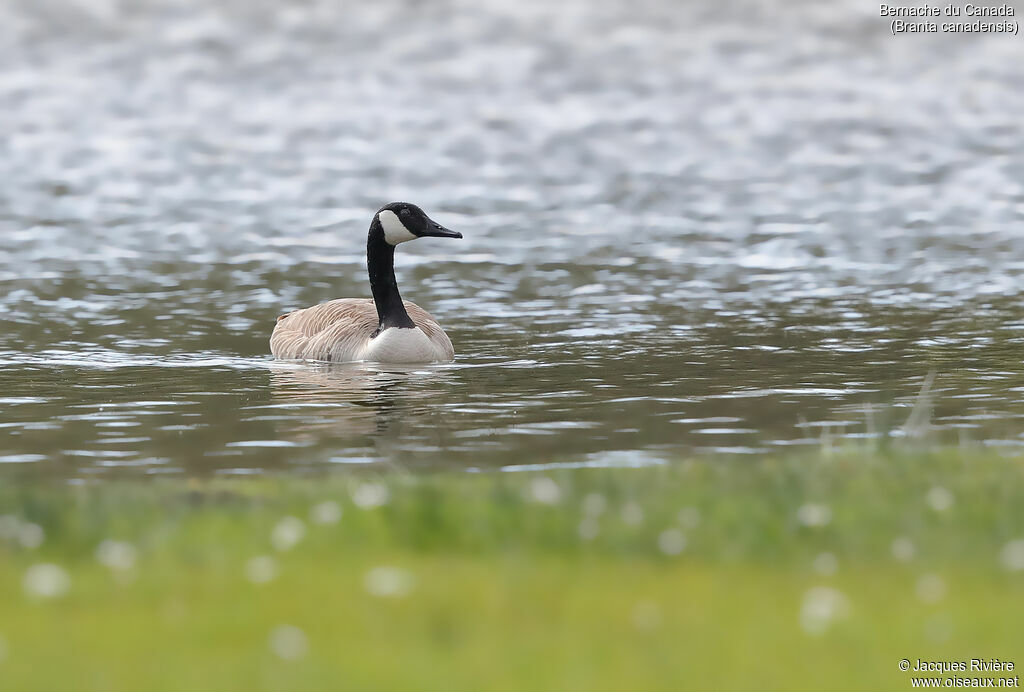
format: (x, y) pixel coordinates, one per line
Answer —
(729, 228)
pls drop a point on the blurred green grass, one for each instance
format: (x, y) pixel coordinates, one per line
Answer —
(776, 573)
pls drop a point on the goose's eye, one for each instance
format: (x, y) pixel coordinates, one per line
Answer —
(405, 213)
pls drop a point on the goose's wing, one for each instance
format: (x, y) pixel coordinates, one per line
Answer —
(339, 330)
(336, 330)
(429, 326)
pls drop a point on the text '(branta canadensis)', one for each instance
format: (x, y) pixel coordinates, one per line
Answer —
(385, 329)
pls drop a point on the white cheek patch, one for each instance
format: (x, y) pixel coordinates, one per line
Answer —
(394, 231)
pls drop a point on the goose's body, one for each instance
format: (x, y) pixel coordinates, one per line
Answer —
(346, 329)
(385, 329)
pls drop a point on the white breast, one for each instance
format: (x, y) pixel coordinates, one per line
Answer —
(402, 345)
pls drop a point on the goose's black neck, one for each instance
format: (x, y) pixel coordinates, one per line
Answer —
(380, 260)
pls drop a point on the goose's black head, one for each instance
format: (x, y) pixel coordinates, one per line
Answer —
(401, 221)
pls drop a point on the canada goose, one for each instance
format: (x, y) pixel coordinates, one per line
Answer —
(385, 329)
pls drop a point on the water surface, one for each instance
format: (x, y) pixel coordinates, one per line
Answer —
(735, 229)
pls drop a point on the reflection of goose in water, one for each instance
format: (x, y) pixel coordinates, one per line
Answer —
(350, 400)
(385, 329)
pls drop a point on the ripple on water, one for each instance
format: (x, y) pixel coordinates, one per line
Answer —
(21, 458)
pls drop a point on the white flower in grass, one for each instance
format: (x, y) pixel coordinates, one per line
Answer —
(814, 515)
(646, 616)
(389, 582)
(1012, 555)
(9, 526)
(46, 580)
(288, 642)
(594, 504)
(931, 588)
(327, 512)
(939, 499)
(671, 541)
(939, 628)
(826, 564)
(632, 514)
(545, 491)
(370, 495)
(30, 535)
(27, 534)
(287, 533)
(261, 569)
(689, 518)
(589, 529)
(903, 549)
(821, 607)
(116, 555)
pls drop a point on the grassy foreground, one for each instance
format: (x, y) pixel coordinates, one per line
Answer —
(777, 574)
